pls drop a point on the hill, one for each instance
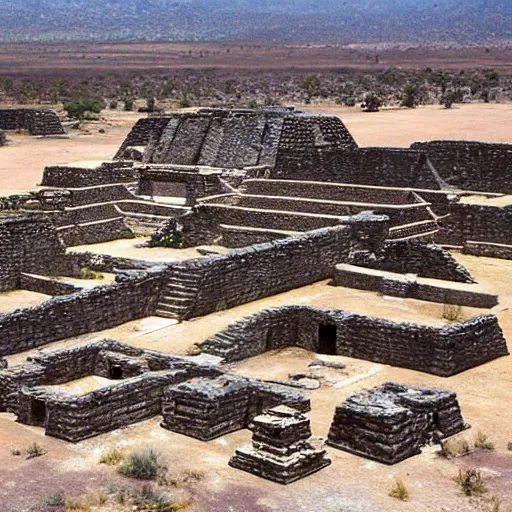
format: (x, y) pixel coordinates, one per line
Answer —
(334, 21)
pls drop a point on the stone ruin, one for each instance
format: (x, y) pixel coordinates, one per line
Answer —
(37, 121)
(210, 408)
(393, 422)
(281, 449)
(293, 201)
(234, 138)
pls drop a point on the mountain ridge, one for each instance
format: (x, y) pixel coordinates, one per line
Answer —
(333, 21)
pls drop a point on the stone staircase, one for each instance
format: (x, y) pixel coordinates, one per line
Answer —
(421, 229)
(179, 293)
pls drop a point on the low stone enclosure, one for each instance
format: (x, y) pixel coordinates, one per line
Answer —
(393, 422)
(49, 391)
(37, 121)
(443, 351)
(410, 286)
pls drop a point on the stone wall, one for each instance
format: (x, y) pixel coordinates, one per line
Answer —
(47, 286)
(387, 167)
(255, 272)
(76, 177)
(489, 250)
(36, 121)
(475, 222)
(28, 243)
(443, 351)
(415, 257)
(80, 313)
(409, 286)
(471, 165)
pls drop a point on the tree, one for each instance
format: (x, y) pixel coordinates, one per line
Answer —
(78, 109)
(129, 103)
(372, 103)
(311, 84)
(185, 101)
(448, 99)
(410, 96)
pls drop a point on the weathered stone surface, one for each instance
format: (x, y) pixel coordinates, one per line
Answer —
(206, 408)
(393, 422)
(441, 351)
(235, 138)
(281, 449)
(37, 121)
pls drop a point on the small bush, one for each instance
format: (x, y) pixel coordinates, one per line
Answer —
(482, 441)
(452, 314)
(194, 475)
(129, 104)
(142, 465)
(56, 500)
(77, 505)
(112, 458)
(185, 101)
(509, 447)
(85, 273)
(350, 102)
(101, 498)
(496, 504)
(101, 130)
(16, 452)
(113, 105)
(471, 482)
(35, 450)
(399, 490)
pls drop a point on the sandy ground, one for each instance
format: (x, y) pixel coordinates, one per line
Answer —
(350, 484)
(23, 160)
(402, 127)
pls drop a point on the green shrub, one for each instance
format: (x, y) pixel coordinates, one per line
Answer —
(35, 450)
(482, 441)
(16, 452)
(185, 101)
(168, 240)
(129, 104)
(142, 465)
(350, 102)
(78, 109)
(399, 490)
(112, 458)
(56, 500)
(85, 273)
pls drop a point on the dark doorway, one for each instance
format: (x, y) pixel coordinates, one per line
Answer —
(116, 372)
(436, 421)
(38, 411)
(327, 339)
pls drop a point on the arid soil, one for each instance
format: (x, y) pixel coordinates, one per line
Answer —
(73, 57)
(350, 484)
